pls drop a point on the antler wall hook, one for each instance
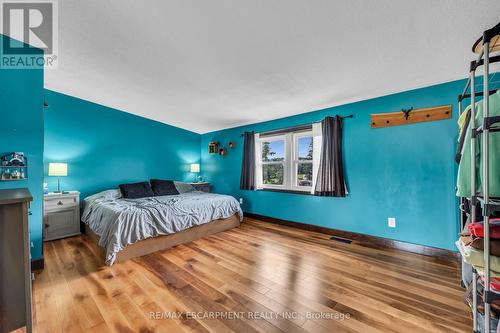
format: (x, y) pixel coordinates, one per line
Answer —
(407, 112)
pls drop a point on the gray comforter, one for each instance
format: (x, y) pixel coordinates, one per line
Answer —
(120, 222)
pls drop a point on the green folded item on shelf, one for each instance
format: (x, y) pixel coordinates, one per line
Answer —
(464, 169)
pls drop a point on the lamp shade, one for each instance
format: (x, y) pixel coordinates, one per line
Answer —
(195, 167)
(58, 169)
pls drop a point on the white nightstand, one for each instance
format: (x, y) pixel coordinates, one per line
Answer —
(61, 215)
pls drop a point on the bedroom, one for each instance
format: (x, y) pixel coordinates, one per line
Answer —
(251, 166)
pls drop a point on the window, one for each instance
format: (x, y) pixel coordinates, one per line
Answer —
(273, 162)
(303, 160)
(285, 161)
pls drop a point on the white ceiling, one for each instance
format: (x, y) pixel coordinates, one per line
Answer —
(208, 65)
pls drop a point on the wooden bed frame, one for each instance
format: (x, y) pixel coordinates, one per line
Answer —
(154, 244)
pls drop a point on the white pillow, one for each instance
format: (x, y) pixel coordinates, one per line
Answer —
(106, 195)
(184, 187)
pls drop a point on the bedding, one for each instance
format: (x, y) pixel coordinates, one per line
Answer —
(120, 222)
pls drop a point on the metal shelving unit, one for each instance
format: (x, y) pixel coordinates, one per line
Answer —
(490, 42)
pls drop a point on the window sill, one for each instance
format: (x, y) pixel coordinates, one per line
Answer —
(284, 191)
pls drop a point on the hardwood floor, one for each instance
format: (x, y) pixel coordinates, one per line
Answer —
(270, 278)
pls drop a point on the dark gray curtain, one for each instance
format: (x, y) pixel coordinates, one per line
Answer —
(247, 180)
(330, 181)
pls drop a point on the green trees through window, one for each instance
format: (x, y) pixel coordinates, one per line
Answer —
(273, 151)
(304, 169)
(287, 161)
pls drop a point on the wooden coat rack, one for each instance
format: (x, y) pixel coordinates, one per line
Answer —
(410, 116)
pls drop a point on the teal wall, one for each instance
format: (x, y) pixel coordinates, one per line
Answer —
(105, 147)
(21, 130)
(406, 172)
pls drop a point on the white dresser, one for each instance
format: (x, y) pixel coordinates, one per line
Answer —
(61, 215)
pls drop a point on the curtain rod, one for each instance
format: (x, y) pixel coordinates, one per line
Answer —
(295, 128)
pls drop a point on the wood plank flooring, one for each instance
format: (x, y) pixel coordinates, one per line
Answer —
(260, 277)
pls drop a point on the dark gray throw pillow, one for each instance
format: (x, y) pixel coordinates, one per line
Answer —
(136, 190)
(163, 187)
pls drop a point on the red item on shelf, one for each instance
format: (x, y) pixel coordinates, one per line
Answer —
(494, 283)
(477, 228)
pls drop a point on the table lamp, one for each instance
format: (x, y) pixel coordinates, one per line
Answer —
(58, 170)
(195, 168)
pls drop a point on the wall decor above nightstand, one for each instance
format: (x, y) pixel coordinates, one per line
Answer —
(61, 215)
(13, 166)
(213, 147)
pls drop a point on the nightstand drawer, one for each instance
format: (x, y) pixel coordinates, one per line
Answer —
(60, 203)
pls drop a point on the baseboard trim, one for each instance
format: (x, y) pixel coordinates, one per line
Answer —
(37, 264)
(363, 239)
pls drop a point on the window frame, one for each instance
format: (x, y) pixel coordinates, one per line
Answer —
(283, 163)
(290, 162)
(296, 161)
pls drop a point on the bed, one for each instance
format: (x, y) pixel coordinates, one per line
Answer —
(128, 228)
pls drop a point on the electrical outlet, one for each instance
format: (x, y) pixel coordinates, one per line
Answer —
(241, 201)
(391, 222)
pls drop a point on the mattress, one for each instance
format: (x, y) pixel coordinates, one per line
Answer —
(120, 222)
